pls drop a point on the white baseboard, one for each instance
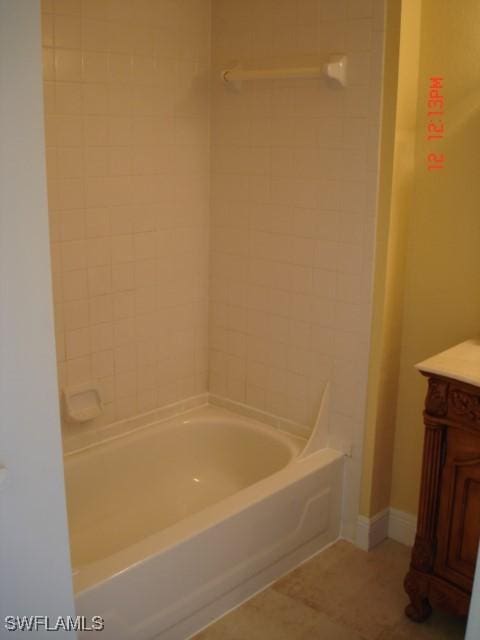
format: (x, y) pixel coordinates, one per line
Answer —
(372, 531)
(389, 523)
(402, 527)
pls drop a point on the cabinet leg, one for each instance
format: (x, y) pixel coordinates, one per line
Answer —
(419, 608)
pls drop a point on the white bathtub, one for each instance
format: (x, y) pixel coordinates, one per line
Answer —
(175, 523)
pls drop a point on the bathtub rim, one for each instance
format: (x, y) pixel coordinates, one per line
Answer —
(293, 441)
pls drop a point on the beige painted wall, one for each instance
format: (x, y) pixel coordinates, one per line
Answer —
(442, 296)
(434, 234)
(399, 115)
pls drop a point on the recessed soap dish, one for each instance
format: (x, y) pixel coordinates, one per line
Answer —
(82, 403)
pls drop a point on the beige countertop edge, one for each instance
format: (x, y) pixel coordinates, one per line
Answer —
(461, 362)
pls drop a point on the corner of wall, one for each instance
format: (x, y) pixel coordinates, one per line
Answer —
(397, 162)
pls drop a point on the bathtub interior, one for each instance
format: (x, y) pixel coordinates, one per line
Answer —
(123, 490)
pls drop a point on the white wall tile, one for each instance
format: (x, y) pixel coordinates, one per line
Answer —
(111, 111)
(307, 272)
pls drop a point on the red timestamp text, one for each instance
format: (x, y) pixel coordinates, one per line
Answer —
(435, 124)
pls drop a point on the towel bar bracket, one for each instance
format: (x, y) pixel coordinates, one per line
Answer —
(334, 69)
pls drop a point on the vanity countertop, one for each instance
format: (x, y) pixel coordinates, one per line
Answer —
(461, 362)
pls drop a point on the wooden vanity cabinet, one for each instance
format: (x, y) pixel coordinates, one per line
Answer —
(448, 530)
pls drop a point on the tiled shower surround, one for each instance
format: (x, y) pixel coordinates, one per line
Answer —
(168, 189)
(127, 135)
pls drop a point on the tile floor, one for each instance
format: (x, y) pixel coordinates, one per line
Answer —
(342, 594)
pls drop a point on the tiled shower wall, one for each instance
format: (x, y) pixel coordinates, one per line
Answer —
(127, 136)
(294, 182)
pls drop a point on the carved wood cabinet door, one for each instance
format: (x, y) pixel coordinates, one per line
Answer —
(458, 527)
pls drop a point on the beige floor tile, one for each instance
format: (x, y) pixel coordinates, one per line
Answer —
(341, 594)
(273, 616)
(439, 627)
(326, 588)
(216, 631)
(379, 604)
(328, 630)
(372, 610)
(268, 616)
